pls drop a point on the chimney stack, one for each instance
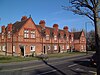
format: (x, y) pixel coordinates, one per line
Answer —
(10, 27)
(42, 23)
(65, 28)
(55, 26)
(3, 29)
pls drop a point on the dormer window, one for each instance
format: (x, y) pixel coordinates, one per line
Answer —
(47, 37)
(55, 37)
(67, 38)
(26, 33)
(33, 34)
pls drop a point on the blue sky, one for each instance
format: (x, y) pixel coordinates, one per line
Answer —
(48, 10)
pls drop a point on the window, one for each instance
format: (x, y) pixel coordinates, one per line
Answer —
(3, 48)
(13, 48)
(55, 37)
(81, 46)
(32, 48)
(72, 39)
(83, 39)
(67, 38)
(2, 35)
(47, 37)
(32, 34)
(9, 36)
(67, 46)
(62, 46)
(48, 47)
(55, 47)
(26, 33)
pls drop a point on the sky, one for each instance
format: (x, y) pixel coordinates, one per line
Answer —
(49, 10)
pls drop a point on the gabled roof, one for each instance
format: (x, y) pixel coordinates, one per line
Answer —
(18, 25)
(77, 35)
(50, 31)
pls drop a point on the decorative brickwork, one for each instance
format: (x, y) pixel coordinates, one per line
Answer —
(25, 38)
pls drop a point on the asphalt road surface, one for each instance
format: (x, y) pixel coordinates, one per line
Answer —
(72, 66)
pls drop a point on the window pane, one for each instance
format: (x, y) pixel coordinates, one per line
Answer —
(3, 48)
(32, 34)
(13, 48)
(47, 37)
(55, 47)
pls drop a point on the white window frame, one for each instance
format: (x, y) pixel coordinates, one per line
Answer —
(55, 47)
(3, 48)
(26, 33)
(47, 37)
(72, 39)
(32, 34)
(67, 46)
(82, 47)
(62, 46)
(67, 38)
(55, 37)
(9, 36)
(32, 48)
(49, 47)
(2, 35)
(14, 48)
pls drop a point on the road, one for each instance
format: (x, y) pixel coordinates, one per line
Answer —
(70, 66)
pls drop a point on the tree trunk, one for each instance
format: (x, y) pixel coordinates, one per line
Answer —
(97, 43)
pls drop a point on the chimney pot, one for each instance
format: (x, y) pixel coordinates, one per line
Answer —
(24, 18)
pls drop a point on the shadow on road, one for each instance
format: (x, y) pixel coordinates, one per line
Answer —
(85, 63)
(80, 71)
(61, 73)
(54, 67)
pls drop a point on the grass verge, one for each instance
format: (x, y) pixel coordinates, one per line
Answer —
(8, 59)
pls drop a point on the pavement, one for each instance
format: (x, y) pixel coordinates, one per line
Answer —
(30, 64)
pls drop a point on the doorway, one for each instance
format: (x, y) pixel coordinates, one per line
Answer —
(44, 50)
(22, 50)
(59, 50)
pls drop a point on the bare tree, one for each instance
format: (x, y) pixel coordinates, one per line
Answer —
(91, 40)
(91, 9)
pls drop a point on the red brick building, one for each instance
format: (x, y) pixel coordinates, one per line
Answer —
(25, 37)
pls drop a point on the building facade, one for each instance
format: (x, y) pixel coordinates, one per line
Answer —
(26, 38)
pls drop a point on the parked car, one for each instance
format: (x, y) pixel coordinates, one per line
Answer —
(93, 59)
